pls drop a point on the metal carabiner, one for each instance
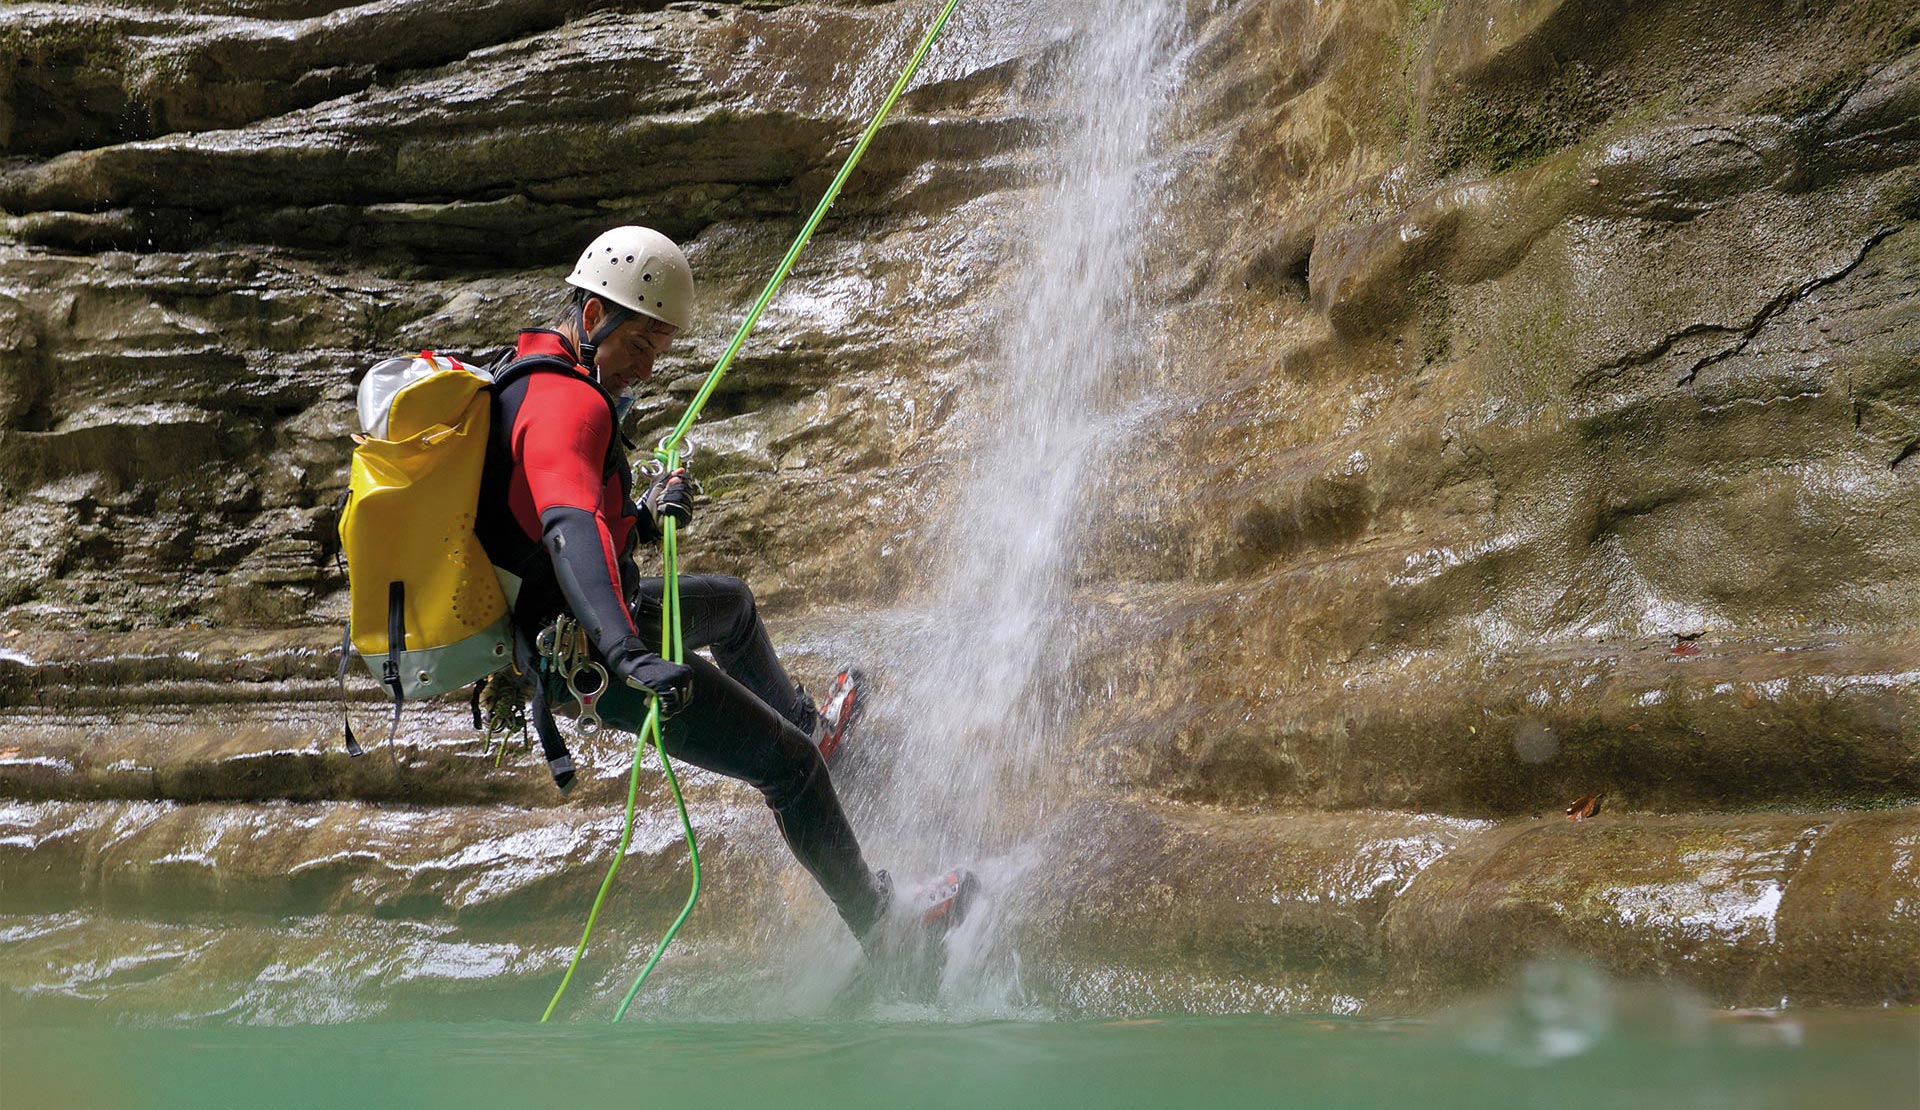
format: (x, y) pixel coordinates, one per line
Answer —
(686, 451)
(562, 646)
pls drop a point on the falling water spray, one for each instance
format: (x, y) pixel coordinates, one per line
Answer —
(978, 710)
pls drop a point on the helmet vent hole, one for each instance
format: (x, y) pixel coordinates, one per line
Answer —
(629, 258)
(646, 277)
(603, 285)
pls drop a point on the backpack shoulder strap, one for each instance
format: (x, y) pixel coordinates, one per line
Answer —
(533, 364)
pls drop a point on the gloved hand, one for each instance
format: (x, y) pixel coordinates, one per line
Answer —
(641, 669)
(670, 497)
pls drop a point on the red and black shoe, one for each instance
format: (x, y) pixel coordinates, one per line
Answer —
(911, 927)
(944, 906)
(835, 720)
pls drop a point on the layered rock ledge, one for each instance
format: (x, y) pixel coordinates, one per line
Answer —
(1534, 416)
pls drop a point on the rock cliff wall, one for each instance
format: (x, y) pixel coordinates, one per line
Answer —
(1541, 414)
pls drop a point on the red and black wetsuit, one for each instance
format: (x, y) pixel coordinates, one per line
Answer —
(557, 510)
(556, 504)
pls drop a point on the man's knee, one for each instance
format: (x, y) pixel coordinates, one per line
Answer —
(734, 590)
(802, 772)
(737, 600)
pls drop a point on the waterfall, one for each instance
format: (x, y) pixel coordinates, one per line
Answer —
(977, 709)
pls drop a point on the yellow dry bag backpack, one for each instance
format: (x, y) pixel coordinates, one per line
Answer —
(427, 612)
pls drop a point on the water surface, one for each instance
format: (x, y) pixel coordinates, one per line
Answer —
(1807, 1060)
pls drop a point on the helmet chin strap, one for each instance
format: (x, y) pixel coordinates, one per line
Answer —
(590, 344)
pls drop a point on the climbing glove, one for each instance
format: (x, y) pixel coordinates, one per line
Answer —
(641, 669)
(670, 497)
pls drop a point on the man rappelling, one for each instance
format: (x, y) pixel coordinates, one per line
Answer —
(559, 515)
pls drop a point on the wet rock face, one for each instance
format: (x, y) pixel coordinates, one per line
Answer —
(1561, 363)
(180, 313)
(1498, 336)
(1541, 380)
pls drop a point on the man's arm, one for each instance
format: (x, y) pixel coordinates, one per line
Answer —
(562, 442)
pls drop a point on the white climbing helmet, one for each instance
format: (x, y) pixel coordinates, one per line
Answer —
(638, 268)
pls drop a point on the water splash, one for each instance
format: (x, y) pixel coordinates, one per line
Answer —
(979, 709)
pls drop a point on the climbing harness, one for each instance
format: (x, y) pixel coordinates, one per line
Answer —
(672, 452)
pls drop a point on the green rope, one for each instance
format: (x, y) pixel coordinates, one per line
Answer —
(651, 728)
(670, 635)
(670, 629)
(672, 442)
(693, 892)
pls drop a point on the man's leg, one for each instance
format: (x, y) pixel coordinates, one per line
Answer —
(717, 611)
(726, 729)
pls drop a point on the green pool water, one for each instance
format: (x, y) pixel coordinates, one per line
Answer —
(1807, 1060)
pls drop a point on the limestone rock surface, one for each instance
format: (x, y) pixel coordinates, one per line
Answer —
(1541, 418)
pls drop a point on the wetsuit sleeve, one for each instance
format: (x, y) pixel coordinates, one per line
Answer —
(629, 567)
(562, 443)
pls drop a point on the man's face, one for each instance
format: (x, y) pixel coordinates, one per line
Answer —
(627, 355)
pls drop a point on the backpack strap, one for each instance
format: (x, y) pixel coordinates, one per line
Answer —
(390, 672)
(346, 718)
(513, 371)
(559, 760)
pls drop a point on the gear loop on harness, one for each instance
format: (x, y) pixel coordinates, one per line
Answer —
(672, 451)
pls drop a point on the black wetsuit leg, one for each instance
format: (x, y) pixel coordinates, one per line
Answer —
(726, 729)
(717, 611)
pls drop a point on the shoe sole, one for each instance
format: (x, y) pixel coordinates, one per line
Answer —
(852, 679)
(949, 901)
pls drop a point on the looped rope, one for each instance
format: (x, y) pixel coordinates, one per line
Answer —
(669, 456)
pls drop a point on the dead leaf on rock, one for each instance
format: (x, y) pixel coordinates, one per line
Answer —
(1584, 808)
